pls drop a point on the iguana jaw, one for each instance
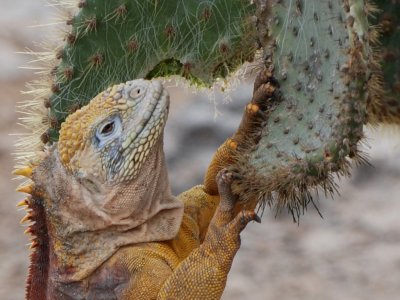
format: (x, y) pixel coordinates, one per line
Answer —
(144, 127)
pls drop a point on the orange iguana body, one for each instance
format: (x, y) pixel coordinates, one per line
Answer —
(105, 223)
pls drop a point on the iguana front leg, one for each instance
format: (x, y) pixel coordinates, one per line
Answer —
(254, 114)
(203, 274)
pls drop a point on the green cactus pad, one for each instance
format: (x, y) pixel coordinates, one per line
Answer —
(319, 54)
(116, 41)
(386, 108)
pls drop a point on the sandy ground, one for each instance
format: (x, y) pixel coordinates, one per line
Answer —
(353, 253)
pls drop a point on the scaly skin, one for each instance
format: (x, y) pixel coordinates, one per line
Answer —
(106, 225)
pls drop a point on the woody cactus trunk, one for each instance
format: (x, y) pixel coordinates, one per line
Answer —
(317, 54)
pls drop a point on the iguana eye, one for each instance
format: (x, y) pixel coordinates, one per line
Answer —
(109, 130)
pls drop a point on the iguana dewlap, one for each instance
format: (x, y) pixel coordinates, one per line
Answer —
(106, 225)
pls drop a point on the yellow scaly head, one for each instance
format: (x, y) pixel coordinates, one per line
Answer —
(110, 138)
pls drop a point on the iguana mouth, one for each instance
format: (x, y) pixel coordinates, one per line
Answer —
(146, 130)
(158, 111)
(154, 114)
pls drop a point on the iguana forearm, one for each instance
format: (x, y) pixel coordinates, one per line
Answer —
(203, 274)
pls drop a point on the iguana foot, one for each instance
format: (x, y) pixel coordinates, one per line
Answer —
(223, 236)
(265, 86)
(258, 109)
(249, 132)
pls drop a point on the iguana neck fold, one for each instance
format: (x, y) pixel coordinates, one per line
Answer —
(83, 235)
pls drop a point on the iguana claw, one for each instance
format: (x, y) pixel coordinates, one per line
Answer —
(225, 227)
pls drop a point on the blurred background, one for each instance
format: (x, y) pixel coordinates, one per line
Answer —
(352, 253)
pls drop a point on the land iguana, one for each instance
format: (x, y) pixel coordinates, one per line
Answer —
(104, 222)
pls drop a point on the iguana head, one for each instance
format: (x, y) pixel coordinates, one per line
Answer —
(107, 141)
(104, 185)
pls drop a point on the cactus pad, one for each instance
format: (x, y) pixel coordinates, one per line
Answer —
(319, 54)
(116, 41)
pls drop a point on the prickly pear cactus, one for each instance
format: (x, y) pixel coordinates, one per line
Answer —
(386, 108)
(318, 53)
(116, 41)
